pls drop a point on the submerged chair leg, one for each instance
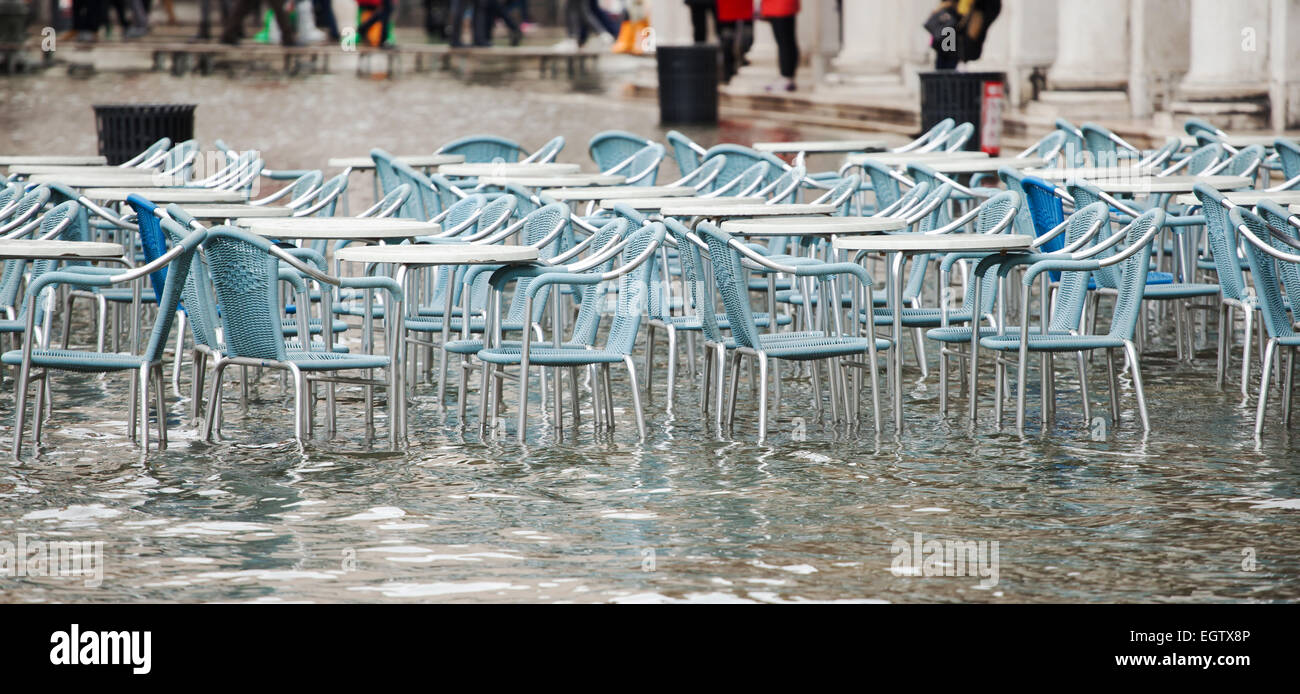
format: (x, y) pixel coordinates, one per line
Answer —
(142, 377)
(1083, 389)
(1114, 387)
(1264, 386)
(1137, 384)
(1245, 352)
(176, 354)
(210, 425)
(762, 397)
(20, 409)
(672, 369)
(636, 396)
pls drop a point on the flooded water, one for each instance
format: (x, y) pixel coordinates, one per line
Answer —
(1194, 511)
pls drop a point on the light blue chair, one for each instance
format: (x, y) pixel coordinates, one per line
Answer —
(485, 149)
(1272, 252)
(611, 147)
(147, 365)
(1132, 264)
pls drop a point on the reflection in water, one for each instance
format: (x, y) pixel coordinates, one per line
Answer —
(684, 516)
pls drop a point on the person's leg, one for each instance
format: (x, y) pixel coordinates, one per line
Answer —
(288, 36)
(700, 23)
(728, 39)
(323, 14)
(234, 21)
(456, 21)
(603, 19)
(482, 23)
(787, 47)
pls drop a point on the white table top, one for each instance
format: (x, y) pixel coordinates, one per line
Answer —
(1145, 185)
(439, 254)
(1294, 209)
(552, 180)
(236, 211)
(1241, 140)
(30, 249)
(812, 226)
(338, 227)
(985, 165)
(54, 159)
(937, 243)
(1086, 172)
(165, 195)
(30, 169)
(623, 192)
(902, 158)
(820, 146)
(1247, 197)
(689, 208)
(657, 203)
(127, 179)
(502, 169)
(416, 160)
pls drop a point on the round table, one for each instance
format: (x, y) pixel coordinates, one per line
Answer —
(812, 226)
(903, 158)
(1239, 141)
(717, 211)
(32, 249)
(598, 193)
(165, 195)
(984, 164)
(654, 204)
(898, 247)
(368, 164)
(415, 160)
(1249, 198)
(508, 168)
(552, 180)
(820, 146)
(236, 211)
(32, 169)
(1086, 172)
(1146, 185)
(127, 179)
(338, 228)
(53, 159)
(417, 255)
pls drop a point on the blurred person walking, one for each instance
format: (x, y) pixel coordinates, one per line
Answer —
(780, 14)
(230, 34)
(701, 10)
(456, 21)
(735, 34)
(486, 14)
(380, 12)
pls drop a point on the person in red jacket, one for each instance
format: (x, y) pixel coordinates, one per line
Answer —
(780, 14)
(735, 33)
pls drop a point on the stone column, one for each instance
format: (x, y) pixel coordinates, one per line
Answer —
(871, 33)
(1093, 45)
(1158, 44)
(1227, 80)
(1284, 64)
(1022, 38)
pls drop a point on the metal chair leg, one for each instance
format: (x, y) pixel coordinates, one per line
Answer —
(1137, 384)
(636, 396)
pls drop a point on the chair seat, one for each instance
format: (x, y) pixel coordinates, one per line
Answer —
(694, 323)
(1051, 343)
(75, 360)
(334, 361)
(821, 347)
(1153, 278)
(289, 326)
(124, 295)
(1180, 290)
(961, 333)
(550, 356)
(921, 317)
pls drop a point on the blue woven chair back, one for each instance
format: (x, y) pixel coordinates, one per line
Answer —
(687, 156)
(1289, 154)
(633, 289)
(1013, 180)
(1133, 276)
(1072, 291)
(384, 170)
(591, 298)
(152, 241)
(196, 296)
(1222, 238)
(741, 158)
(645, 159)
(1264, 272)
(732, 280)
(244, 276)
(549, 151)
(169, 301)
(607, 149)
(1244, 162)
(1278, 217)
(484, 149)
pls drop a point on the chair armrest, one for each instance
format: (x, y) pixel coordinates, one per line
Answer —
(373, 282)
(826, 269)
(1060, 264)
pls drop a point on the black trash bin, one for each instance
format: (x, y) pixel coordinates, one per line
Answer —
(966, 97)
(688, 84)
(127, 129)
